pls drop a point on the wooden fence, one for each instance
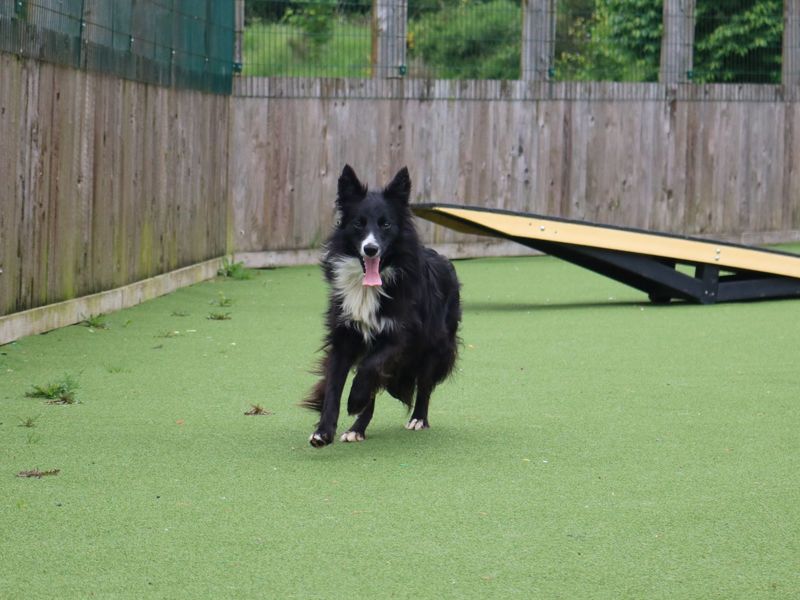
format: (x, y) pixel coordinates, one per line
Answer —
(721, 161)
(104, 181)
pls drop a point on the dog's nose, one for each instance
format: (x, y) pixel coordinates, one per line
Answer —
(371, 249)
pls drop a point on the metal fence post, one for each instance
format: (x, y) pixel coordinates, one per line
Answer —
(238, 33)
(538, 39)
(677, 43)
(790, 69)
(389, 38)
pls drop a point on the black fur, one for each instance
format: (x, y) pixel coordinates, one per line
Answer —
(409, 342)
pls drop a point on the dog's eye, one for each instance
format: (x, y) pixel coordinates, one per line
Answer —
(359, 223)
(384, 223)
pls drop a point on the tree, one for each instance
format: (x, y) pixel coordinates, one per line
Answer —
(735, 41)
(600, 40)
(470, 40)
(738, 41)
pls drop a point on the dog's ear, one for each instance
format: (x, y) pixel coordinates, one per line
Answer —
(399, 188)
(350, 188)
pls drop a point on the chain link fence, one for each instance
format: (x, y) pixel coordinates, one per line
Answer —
(181, 43)
(191, 43)
(700, 41)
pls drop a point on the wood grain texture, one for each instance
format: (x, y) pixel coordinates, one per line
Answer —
(104, 181)
(717, 161)
(107, 181)
(683, 249)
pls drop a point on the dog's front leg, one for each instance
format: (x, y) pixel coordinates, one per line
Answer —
(337, 365)
(373, 368)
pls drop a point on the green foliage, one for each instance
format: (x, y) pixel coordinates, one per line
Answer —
(470, 40)
(269, 50)
(28, 421)
(735, 41)
(315, 21)
(268, 10)
(275, 10)
(168, 333)
(234, 270)
(601, 40)
(219, 316)
(222, 300)
(57, 392)
(417, 8)
(636, 27)
(586, 49)
(96, 322)
(609, 40)
(739, 41)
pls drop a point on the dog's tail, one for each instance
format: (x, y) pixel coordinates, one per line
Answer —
(313, 401)
(315, 397)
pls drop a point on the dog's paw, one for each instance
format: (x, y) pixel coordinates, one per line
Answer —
(417, 424)
(320, 440)
(352, 436)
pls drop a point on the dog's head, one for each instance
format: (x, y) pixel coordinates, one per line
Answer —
(372, 222)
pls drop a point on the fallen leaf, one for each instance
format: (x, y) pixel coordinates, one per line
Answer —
(37, 473)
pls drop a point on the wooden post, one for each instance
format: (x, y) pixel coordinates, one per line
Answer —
(677, 44)
(238, 32)
(538, 39)
(790, 71)
(389, 38)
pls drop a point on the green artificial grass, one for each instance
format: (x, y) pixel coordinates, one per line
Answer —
(591, 445)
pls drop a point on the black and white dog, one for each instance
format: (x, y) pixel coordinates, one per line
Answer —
(393, 311)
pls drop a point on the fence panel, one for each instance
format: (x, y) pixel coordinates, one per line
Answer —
(716, 160)
(105, 181)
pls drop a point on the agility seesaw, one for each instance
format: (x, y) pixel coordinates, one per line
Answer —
(645, 260)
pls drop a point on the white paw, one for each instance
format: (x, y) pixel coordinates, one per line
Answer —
(352, 436)
(416, 424)
(318, 440)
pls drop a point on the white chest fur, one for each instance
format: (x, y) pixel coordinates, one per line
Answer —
(360, 303)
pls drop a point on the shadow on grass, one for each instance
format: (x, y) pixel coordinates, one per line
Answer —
(524, 307)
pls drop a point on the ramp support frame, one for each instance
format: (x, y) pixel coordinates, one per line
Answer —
(661, 280)
(649, 261)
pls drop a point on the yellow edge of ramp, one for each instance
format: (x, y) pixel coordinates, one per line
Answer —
(610, 238)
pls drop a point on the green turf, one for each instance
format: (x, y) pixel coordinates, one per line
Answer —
(591, 445)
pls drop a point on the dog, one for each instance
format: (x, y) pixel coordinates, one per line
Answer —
(393, 310)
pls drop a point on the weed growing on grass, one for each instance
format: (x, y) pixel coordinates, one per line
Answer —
(96, 322)
(28, 421)
(180, 313)
(218, 316)
(168, 334)
(223, 301)
(234, 270)
(58, 392)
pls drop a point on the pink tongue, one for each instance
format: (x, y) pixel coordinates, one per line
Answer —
(372, 276)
